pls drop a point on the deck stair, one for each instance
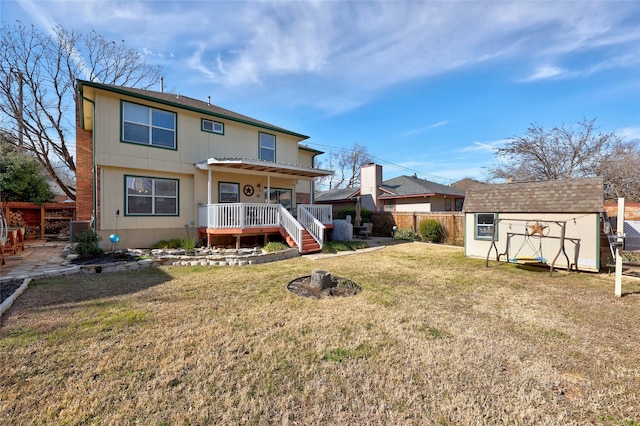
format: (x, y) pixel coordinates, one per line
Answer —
(309, 244)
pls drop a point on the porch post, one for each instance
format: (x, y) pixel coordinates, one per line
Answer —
(208, 186)
(268, 189)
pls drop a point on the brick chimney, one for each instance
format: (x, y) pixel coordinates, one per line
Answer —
(84, 171)
(370, 181)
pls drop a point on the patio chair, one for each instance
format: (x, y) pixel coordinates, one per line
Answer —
(365, 230)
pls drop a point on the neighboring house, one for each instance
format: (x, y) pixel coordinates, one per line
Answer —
(631, 223)
(154, 166)
(338, 198)
(400, 194)
(536, 221)
(467, 183)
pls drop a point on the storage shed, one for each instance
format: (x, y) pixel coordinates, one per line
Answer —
(556, 223)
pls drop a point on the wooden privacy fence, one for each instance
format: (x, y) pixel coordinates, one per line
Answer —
(453, 223)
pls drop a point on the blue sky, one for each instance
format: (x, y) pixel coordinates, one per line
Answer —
(430, 87)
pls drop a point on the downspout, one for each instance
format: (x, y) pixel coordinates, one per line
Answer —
(94, 188)
(312, 199)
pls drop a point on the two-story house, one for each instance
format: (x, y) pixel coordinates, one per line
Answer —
(154, 165)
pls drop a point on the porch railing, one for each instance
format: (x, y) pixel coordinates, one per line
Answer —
(321, 212)
(311, 217)
(312, 225)
(239, 215)
(291, 225)
(258, 215)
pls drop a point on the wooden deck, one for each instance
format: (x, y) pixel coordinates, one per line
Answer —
(219, 222)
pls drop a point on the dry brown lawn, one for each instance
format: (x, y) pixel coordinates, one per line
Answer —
(433, 338)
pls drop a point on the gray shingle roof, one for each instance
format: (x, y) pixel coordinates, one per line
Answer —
(584, 195)
(408, 186)
(401, 186)
(337, 194)
(196, 105)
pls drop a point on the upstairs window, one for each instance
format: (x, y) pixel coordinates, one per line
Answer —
(212, 127)
(148, 126)
(151, 196)
(267, 147)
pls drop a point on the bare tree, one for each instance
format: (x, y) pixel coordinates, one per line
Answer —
(619, 170)
(565, 153)
(38, 89)
(346, 166)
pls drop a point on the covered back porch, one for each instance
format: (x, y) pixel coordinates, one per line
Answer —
(301, 225)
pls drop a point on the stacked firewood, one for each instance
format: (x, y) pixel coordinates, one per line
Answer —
(58, 213)
(15, 219)
(56, 227)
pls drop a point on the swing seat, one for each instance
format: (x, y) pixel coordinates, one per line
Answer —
(527, 260)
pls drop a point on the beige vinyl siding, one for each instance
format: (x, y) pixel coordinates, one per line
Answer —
(193, 145)
(114, 199)
(305, 158)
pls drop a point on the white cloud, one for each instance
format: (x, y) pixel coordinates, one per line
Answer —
(489, 147)
(545, 72)
(342, 54)
(422, 129)
(629, 133)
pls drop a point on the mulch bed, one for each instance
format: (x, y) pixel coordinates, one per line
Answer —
(8, 287)
(108, 257)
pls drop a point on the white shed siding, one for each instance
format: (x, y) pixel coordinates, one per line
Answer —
(581, 227)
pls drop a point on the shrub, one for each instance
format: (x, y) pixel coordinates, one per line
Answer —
(432, 230)
(167, 244)
(87, 244)
(22, 177)
(188, 243)
(364, 213)
(274, 246)
(407, 234)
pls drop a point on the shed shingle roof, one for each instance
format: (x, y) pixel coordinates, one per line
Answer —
(585, 195)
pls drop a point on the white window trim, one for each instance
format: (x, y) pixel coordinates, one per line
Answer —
(213, 127)
(475, 226)
(266, 148)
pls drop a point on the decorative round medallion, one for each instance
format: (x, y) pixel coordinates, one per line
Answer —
(248, 190)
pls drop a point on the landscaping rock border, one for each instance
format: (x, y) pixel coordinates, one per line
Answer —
(6, 303)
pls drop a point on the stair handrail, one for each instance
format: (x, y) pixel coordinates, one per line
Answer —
(292, 226)
(312, 225)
